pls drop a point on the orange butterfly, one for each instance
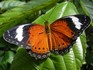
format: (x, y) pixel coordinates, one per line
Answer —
(40, 40)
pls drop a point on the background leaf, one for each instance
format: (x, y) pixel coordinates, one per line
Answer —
(87, 7)
(10, 4)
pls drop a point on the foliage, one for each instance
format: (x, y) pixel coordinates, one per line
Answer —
(15, 12)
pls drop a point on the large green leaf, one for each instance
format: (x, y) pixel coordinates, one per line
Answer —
(10, 4)
(20, 13)
(83, 41)
(71, 61)
(6, 59)
(87, 6)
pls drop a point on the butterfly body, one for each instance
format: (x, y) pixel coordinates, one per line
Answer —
(57, 37)
(47, 27)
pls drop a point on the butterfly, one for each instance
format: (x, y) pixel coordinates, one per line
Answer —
(57, 37)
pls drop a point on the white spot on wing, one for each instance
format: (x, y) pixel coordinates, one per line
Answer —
(76, 22)
(19, 32)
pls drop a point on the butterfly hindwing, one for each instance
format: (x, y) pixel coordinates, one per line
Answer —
(66, 30)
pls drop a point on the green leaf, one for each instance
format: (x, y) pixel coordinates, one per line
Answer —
(83, 41)
(89, 55)
(20, 13)
(70, 61)
(6, 60)
(59, 11)
(24, 60)
(78, 6)
(87, 7)
(8, 57)
(10, 4)
(4, 66)
(78, 53)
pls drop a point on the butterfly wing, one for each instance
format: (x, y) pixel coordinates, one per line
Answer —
(31, 37)
(18, 35)
(65, 31)
(39, 41)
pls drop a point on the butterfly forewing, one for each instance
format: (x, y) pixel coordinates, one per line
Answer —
(18, 35)
(66, 30)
